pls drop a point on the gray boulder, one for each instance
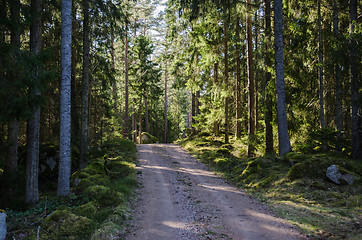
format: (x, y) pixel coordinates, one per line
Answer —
(338, 175)
(2, 225)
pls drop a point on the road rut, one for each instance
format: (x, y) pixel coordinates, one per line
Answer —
(180, 198)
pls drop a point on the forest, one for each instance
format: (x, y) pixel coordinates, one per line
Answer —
(83, 81)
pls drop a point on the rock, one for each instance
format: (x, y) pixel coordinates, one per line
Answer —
(335, 175)
(2, 225)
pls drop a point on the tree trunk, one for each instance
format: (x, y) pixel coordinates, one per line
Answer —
(166, 103)
(85, 87)
(251, 100)
(269, 148)
(114, 84)
(140, 123)
(13, 126)
(355, 86)
(193, 112)
(65, 101)
(134, 121)
(147, 127)
(32, 164)
(226, 80)
(320, 62)
(284, 143)
(338, 86)
(238, 81)
(216, 122)
(126, 127)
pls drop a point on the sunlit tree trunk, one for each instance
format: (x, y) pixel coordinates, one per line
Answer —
(284, 143)
(355, 85)
(32, 164)
(85, 88)
(216, 79)
(226, 81)
(251, 99)
(238, 81)
(65, 101)
(166, 109)
(147, 127)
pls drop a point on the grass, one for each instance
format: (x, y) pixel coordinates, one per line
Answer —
(294, 186)
(96, 207)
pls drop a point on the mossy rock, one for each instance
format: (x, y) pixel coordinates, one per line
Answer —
(221, 162)
(148, 138)
(103, 195)
(223, 151)
(254, 166)
(86, 210)
(96, 167)
(295, 157)
(119, 169)
(63, 224)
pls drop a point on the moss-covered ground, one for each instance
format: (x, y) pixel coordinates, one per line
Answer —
(95, 209)
(294, 186)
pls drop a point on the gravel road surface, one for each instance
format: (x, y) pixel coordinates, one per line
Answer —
(180, 198)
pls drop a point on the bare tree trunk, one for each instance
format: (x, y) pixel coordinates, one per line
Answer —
(13, 126)
(338, 86)
(251, 100)
(65, 101)
(114, 84)
(126, 113)
(320, 61)
(238, 82)
(32, 164)
(193, 112)
(355, 85)
(134, 117)
(147, 127)
(284, 143)
(140, 123)
(216, 122)
(85, 87)
(269, 148)
(226, 80)
(166, 109)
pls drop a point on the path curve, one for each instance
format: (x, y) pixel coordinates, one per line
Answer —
(180, 198)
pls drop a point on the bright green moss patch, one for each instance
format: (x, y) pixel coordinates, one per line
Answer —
(103, 195)
(62, 224)
(295, 185)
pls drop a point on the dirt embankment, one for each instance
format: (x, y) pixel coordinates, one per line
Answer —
(180, 198)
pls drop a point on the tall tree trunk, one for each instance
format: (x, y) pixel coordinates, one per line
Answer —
(32, 164)
(114, 84)
(65, 101)
(216, 79)
(166, 109)
(147, 127)
(251, 100)
(134, 121)
(338, 86)
(320, 62)
(238, 81)
(226, 80)
(255, 67)
(269, 146)
(140, 123)
(126, 127)
(193, 112)
(355, 85)
(85, 87)
(13, 126)
(284, 143)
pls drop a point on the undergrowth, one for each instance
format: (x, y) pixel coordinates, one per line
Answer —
(96, 207)
(295, 186)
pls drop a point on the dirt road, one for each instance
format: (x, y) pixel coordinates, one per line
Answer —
(180, 198)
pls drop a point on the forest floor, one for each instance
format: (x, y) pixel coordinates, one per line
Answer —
(180, 198)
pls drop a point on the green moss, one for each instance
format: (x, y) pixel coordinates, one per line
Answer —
(223, 151)
(108, 230)
(86, 210)
(119, 169)
(148, 138)
(103, 195)
(96, 167)
(62, 224)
